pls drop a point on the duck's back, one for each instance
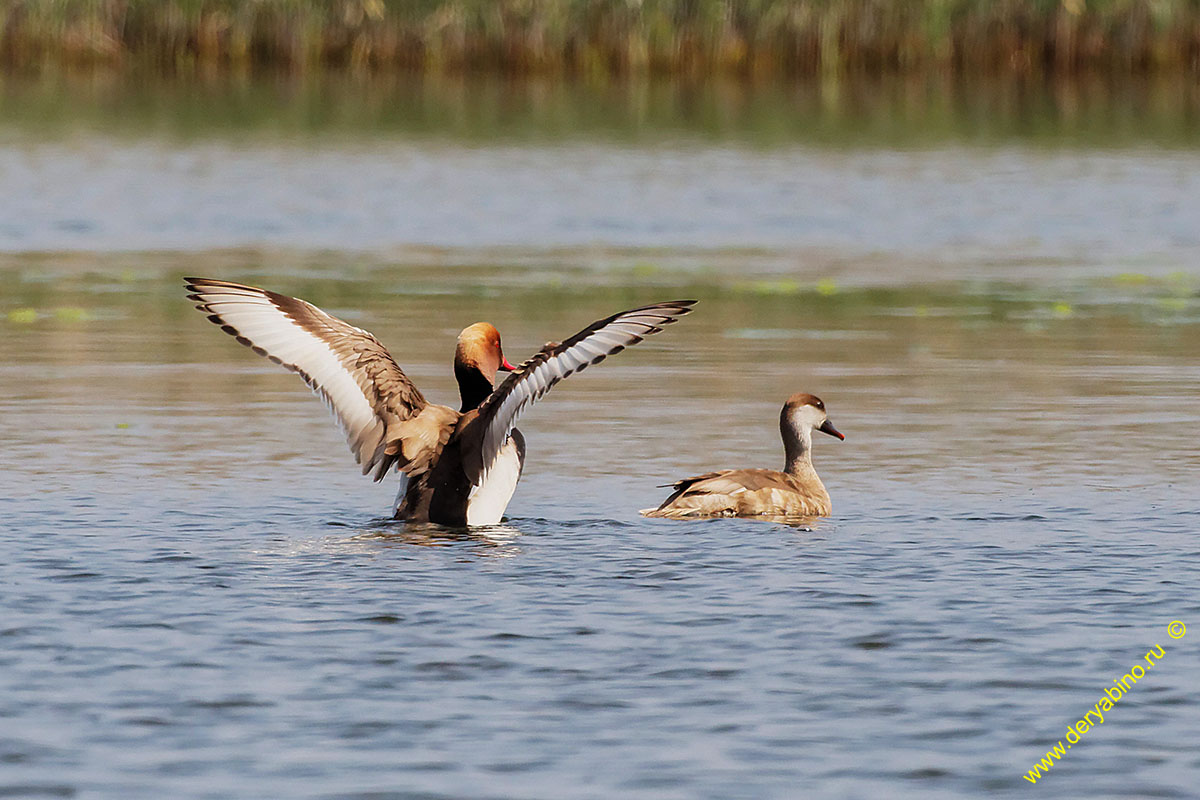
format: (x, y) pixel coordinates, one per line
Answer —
(745, 493)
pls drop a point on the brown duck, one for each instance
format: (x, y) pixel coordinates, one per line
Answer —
(459, 467)
(795, 492)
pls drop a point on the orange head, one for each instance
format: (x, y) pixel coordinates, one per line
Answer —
(479, 348)
(477, 358)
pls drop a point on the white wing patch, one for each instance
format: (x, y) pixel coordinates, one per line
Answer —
(266, 328)
(346, 366)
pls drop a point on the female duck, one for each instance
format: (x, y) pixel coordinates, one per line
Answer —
(460, 467)
(795, 492)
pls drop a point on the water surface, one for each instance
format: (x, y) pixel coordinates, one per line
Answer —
(202, 598)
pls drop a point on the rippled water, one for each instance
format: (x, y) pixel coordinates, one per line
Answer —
(202, 598)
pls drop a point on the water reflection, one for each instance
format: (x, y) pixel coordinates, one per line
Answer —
(488, 540)
(914, 111)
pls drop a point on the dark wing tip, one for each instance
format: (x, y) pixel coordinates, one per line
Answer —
(682, 306)
(193, 283)
(678, 308)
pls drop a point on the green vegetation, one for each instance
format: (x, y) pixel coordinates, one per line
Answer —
(607, 37)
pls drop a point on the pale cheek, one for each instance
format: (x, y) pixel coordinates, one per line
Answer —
(808, 419)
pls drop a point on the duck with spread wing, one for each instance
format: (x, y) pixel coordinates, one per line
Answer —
(459, 467)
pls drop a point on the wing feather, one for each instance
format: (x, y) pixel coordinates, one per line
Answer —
(531, 380)
(347, 367)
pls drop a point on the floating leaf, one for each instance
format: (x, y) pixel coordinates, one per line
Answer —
(72, 314)
(1132, 278)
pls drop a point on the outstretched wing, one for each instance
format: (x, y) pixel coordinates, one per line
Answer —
(532, 379)
(349, 368)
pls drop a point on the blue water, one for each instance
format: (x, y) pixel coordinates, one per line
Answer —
(979, 203)
(282, 646)
(201, 598)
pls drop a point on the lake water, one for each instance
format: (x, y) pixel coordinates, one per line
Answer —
(202, 598)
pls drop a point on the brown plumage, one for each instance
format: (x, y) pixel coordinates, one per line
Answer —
(460, 467)
(795, 492)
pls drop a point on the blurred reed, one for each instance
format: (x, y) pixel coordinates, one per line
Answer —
(607, 37)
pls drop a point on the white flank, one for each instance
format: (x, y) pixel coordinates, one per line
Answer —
(487, 501)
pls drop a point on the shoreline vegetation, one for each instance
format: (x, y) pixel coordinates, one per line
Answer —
(600, 38)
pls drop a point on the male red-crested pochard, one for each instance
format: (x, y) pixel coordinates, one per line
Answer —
(459, 467)
(795, 492)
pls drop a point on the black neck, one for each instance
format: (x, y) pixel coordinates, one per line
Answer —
(473, 387)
